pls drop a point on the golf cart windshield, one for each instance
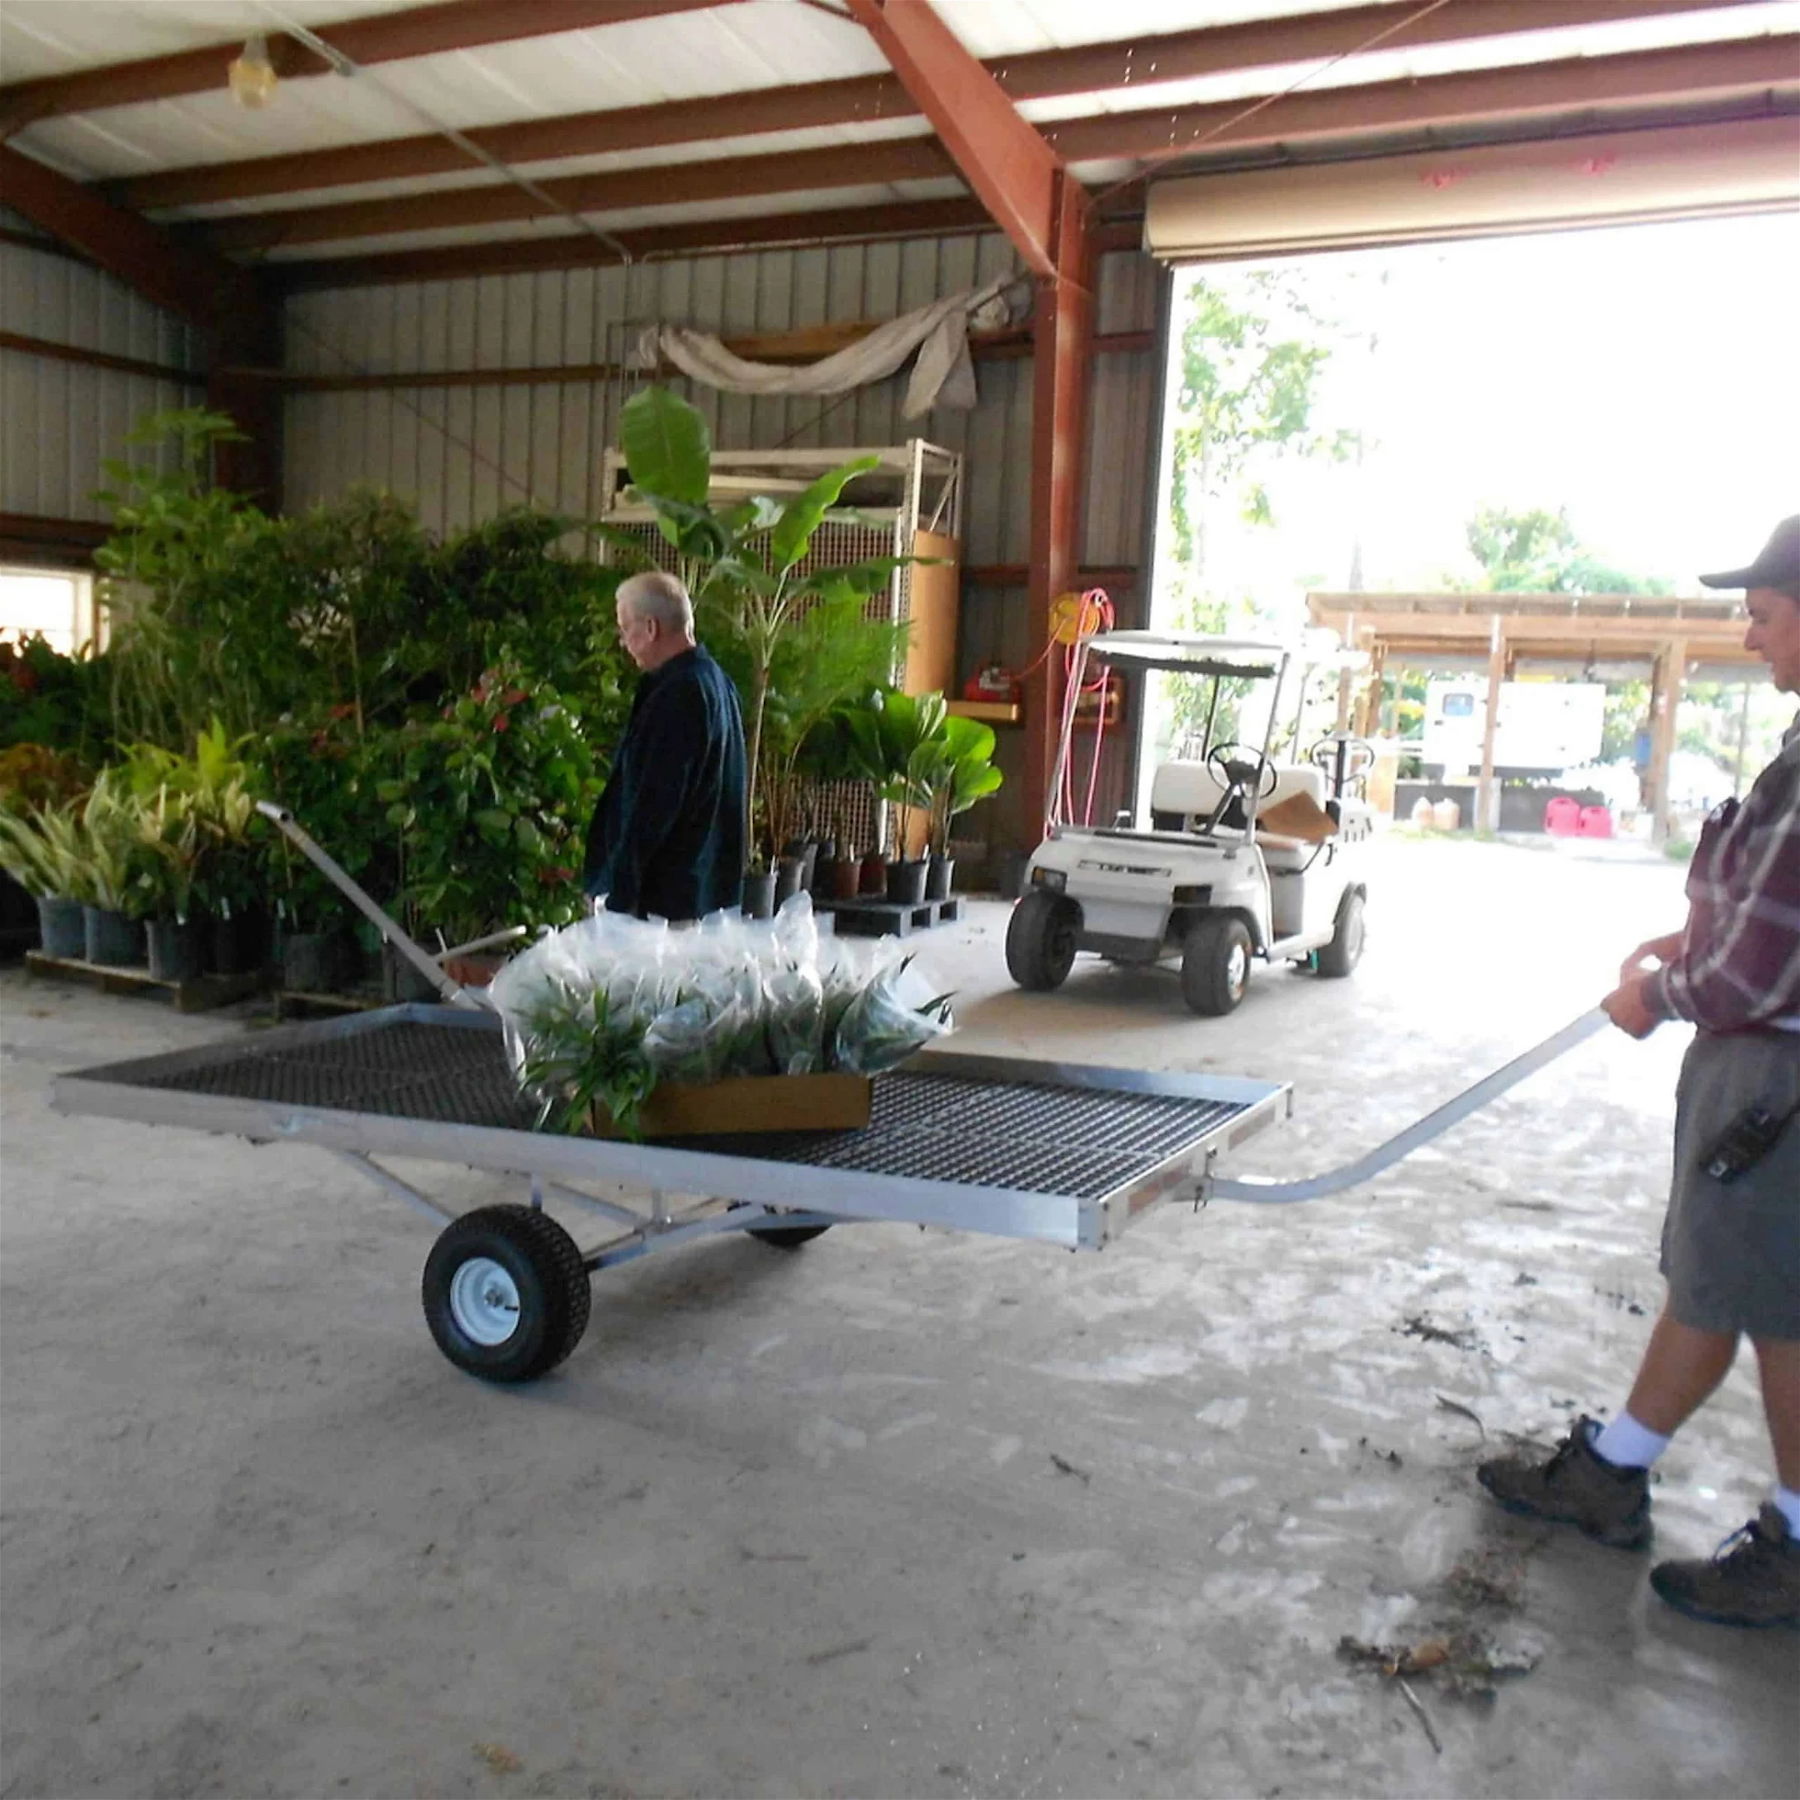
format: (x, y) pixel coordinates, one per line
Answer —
(1188, 653)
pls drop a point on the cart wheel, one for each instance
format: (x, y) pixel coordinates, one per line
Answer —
(782, 1237)
(506, 1295)
(787, 1237)
(1345, 950)
(1040, 941)
(1215, 964)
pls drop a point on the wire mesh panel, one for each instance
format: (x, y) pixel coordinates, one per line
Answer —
(1041, 1137)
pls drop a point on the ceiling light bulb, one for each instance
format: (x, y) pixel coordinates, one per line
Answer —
(252, 75)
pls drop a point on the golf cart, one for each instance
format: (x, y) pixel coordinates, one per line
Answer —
(1209, 884)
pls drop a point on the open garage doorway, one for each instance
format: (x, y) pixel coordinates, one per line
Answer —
(1583, 412)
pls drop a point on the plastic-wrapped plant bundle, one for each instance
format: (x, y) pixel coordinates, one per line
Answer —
(576, 1006)
(889, 1019)
(602, 1011)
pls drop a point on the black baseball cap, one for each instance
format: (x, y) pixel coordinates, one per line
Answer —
(1777, 567)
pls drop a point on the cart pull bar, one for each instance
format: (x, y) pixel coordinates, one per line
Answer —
(328, 866)
(1420, 1132)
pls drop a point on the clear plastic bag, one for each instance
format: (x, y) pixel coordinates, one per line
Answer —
(891, 1017)
(602, 1010)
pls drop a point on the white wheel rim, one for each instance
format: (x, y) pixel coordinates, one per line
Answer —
(1237, 970)
(484, 1302)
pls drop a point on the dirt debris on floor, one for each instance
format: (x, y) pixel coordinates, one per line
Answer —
(906, 1512)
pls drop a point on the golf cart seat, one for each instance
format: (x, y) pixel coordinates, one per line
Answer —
(1184, 794)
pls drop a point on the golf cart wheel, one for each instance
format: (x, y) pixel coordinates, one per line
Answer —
(1040, 941)
(1345, 950)
(505, 1292)
(1215, 965)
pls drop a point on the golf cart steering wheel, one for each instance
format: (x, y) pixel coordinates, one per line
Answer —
(1359, 756)
(1239, 769)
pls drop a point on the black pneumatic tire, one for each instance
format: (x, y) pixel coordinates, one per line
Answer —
(505, 1293)
(1215, 964)
(1040, 941)
(1345, 950)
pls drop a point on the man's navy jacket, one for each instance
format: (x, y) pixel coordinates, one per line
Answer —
(667, 838)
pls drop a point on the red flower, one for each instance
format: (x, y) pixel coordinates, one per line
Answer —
(554, 877)
(513, 696)
(502, 721)
(344, 710)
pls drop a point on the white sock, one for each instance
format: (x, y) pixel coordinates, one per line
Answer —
(1628, 1445)
(1788, 1500)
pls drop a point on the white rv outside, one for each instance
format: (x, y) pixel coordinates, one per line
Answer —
(1544, 726)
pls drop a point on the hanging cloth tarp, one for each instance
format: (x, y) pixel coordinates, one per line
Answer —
(942, 376)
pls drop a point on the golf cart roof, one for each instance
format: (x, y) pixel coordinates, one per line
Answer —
(1188, 652)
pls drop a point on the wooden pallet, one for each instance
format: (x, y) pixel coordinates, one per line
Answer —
(889, 918)
(199, 993)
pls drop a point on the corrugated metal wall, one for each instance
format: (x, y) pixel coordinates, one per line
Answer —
(58, 420)
(461, 453)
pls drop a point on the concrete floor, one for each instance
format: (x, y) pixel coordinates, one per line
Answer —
(904, 1513)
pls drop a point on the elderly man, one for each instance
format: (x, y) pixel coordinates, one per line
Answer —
(1731, 1239)
(667, 838)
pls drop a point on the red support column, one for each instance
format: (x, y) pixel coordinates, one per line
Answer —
(1062, 332)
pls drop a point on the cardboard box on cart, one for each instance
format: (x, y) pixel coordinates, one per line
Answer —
(829, 1102)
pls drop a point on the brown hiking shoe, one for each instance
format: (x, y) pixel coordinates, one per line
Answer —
(1575, 1487)
(1752, 1579)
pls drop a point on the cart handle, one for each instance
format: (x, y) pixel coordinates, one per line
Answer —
(1422, 1131)
(328, 866)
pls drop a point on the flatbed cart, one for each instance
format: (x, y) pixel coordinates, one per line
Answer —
(1061, 1154)
(1055, 1152)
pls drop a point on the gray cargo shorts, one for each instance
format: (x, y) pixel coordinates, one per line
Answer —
(1731, 1250)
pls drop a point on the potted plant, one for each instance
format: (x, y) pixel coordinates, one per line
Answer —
(961, 772)
(897, 740)
(41, 849)
(117, 873)
(748, 567)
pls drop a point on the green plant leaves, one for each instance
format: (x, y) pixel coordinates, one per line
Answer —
(667, 446)
(792, 535)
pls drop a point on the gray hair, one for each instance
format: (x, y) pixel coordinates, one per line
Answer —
(659, 596)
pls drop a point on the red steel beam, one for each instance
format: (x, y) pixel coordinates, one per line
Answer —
(1580, 82)
(184, 281)
(1001, 155)
(379, 38)
(231, 305)
(1043, 74)
(1063, 329)
(1022, 181)
(729, 178)
(847, 224)
(1575, 82)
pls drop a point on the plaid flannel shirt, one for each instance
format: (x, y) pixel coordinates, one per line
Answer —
(1739, 962)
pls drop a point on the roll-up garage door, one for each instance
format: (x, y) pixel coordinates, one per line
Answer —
(1673, 172)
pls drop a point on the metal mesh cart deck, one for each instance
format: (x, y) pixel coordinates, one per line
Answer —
(1065, 1154)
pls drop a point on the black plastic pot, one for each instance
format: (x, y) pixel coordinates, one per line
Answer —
(906, 882)
(401, 983)
(790, 877)
(112, 939)
(309, 962)
(940, 872)
(61, 928)
(874, 874)
(759, 894)
(174, 949)
(236, 945)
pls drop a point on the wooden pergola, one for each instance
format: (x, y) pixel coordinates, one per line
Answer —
(1419, 630)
